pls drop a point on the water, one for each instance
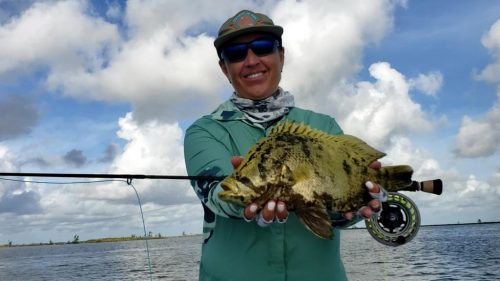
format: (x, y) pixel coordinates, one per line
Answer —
(460, 252)
(175, 258)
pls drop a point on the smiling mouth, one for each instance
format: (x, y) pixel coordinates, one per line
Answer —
(254, 75)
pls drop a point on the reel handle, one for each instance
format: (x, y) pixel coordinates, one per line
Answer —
(430, 186)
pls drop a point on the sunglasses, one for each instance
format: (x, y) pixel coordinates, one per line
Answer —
(260, 47)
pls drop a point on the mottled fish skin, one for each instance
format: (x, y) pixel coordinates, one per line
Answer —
(313, 172)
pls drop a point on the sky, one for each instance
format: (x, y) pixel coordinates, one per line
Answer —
(111, 86)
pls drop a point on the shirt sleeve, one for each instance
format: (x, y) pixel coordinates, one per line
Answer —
(206, 155)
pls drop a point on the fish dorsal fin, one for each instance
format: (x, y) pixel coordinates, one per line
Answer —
(360, 150)
(357, 148)
(298, 129)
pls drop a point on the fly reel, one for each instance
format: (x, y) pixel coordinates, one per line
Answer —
(398, 223)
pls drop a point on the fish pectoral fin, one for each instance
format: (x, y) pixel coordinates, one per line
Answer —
(316, 219)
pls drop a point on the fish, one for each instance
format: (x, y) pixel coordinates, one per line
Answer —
(313, 172)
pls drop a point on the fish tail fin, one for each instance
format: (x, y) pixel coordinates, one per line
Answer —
(394, 178)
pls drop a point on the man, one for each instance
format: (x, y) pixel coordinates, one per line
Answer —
(248, 243)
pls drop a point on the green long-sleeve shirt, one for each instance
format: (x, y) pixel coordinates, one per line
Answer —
(234, 249)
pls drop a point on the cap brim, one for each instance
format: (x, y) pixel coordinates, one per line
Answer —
(274, 30)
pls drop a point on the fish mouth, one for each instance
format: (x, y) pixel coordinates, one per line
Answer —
(236, 192)
(229, 184)
(229, 190)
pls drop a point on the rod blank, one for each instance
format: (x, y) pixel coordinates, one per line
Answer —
(430, 186)
(111, 176)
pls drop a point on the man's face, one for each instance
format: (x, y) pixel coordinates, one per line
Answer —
(255, 77)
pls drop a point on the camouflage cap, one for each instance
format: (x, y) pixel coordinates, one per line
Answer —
(246, 22)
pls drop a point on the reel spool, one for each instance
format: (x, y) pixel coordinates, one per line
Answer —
(398, 223)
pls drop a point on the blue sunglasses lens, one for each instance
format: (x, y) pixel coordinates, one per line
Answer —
(238, 52)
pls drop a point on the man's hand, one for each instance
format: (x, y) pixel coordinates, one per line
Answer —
(272, 210)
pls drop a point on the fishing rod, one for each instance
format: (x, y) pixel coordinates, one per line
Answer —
(128, 177)
(430, 186)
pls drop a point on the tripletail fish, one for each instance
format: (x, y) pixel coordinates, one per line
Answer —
(314, 173)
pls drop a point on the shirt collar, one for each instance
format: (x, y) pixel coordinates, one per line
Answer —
(227, 112)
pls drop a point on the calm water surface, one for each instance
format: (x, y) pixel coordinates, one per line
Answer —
(460, 252)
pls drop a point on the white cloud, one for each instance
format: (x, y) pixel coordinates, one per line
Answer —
(7, 164)
(152, 148)
(145, 17)
(162, 76)
(477, 193)
(324, 40)
(324, 51)
(462, 193)
(465, 198)
(481, 138)
(495, 180)
(6, 158)
(166, 66)
(15, 197)
(114, 10)
(49, 35)
(491, 40)
(161, 69)
(158, 145)
(376, 111)
(429, 84)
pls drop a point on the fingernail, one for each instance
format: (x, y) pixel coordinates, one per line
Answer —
(271, 205)
(281, 207)
(362, 212)
(253, 208)
(369, 185)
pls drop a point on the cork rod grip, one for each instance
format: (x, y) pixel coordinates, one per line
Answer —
(430, 186)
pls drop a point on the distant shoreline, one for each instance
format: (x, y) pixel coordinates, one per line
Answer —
(97, 240)
(133, 238)
(465, 223)
(444, 224)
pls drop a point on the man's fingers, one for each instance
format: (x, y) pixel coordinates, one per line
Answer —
(281, 212)
(268, 211)
(377, 191)
(236, 161)
(375, 205)
(372, 208)
(375, 165)
(365, 212)
(275, 210)
(372, 187)
(250, 212)
(272, 211)
(349, 216)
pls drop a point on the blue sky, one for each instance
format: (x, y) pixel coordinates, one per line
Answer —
(110, 87)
